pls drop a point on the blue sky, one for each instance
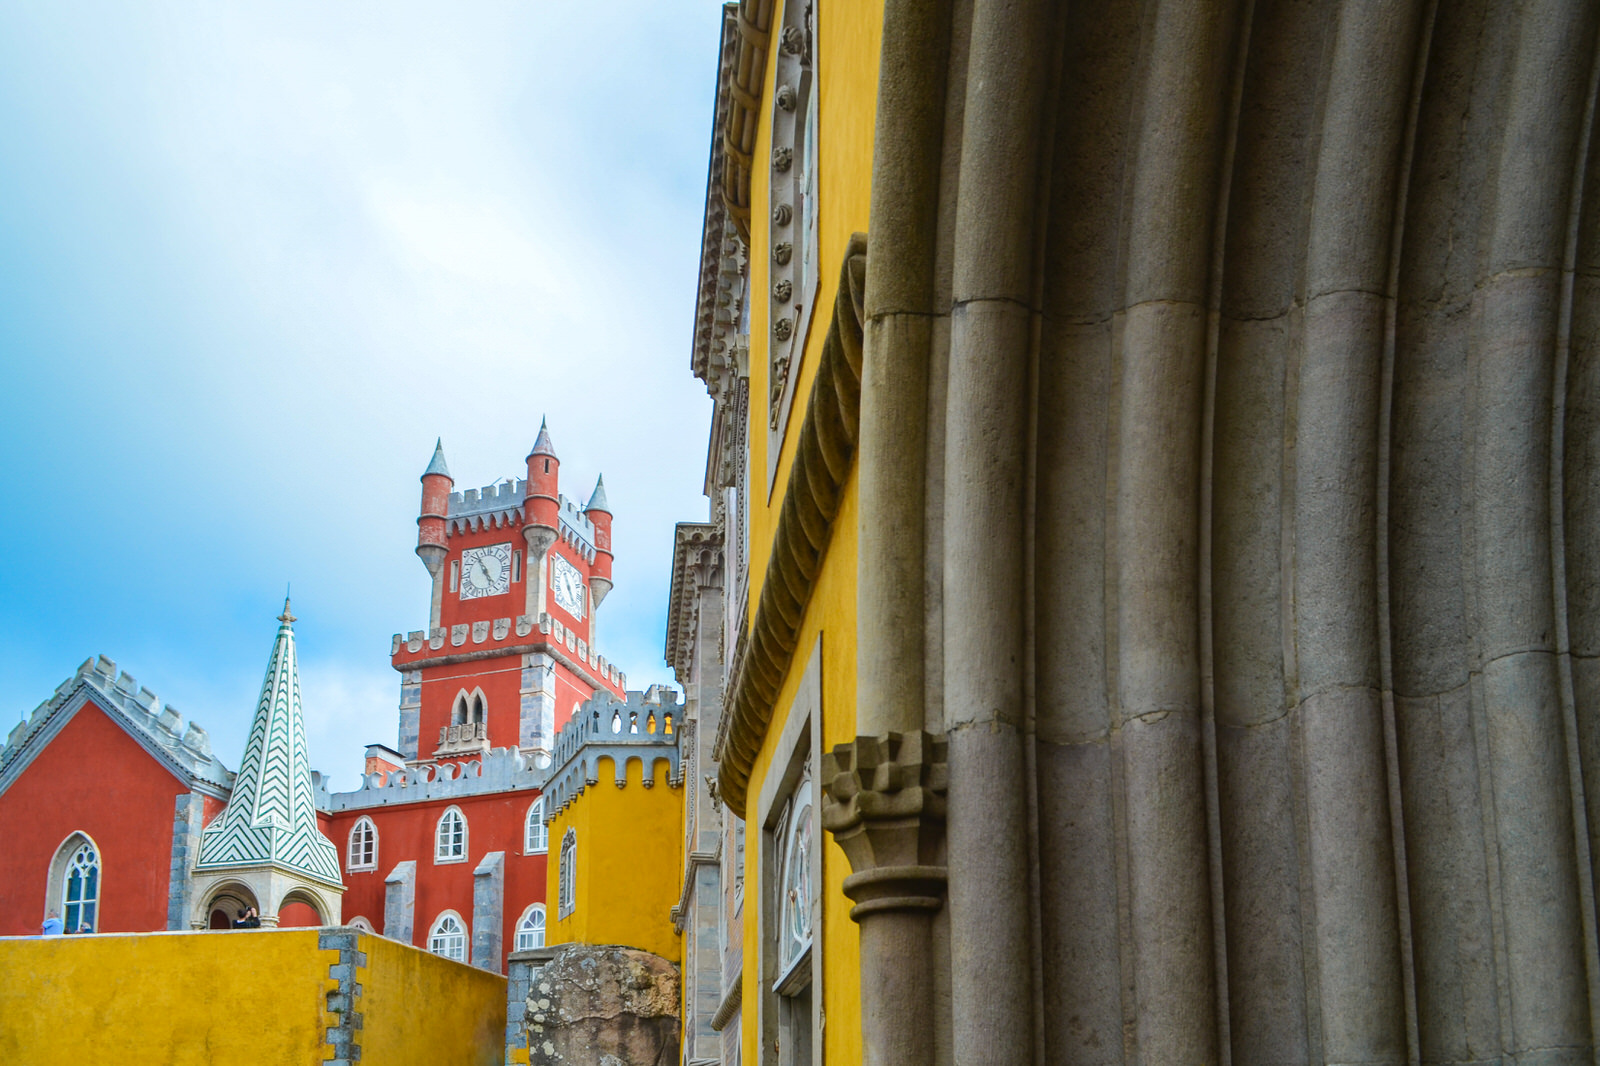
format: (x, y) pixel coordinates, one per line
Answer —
(254, 258)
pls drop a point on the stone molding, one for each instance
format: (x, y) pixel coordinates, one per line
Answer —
(744, 111)
(883, 799)
(824, 457)
(696, 564)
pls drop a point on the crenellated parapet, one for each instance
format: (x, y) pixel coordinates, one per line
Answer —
(502, 770)
(156, 726)
(505, 636)
(644, 728)
(491, 507)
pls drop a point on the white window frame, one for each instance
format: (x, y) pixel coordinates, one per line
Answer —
(525, 927)
(794, 984)
(72, 910)
(352, 862)
(535, 834)
(439, 936)
(567, 875)
(445, 853)
(358, 922)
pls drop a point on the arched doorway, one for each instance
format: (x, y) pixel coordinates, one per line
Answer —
(226, 901)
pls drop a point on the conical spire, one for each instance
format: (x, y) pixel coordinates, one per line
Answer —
(437, 464)
(597, 498)
(271, 819)
(542, 445)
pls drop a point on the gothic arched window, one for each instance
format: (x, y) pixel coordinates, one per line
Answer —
(363, 853)
(80, 889)
(448, 937)
(567, 875)
(450, 840)
(530, 930)
(536, 835)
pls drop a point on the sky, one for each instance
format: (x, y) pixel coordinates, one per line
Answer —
(255, 258)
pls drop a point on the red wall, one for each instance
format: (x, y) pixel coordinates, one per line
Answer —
(501, 681)
(494, 823)
(96, 779)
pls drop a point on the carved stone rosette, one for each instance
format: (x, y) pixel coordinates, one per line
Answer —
(884, 802)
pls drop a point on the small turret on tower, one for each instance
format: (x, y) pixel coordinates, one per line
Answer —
(598, 511)
(542, 505)
(436, 485)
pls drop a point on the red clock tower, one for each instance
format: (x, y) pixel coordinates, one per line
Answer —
(518, 572)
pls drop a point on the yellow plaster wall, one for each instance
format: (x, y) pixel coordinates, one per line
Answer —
(198, 999)
(849, 42)
(411, 1000)
(629, 863)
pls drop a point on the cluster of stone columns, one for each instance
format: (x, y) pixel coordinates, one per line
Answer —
(1230, 535)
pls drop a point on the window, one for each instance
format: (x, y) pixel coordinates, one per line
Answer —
(469, 708)
(567, 875)
(455, 575)
(361, 923)
(530, 930)
(794, 920)
(449, 937)
(363, 845)
(536, 835)
(80, 889)
(450, 842)
(516, 566)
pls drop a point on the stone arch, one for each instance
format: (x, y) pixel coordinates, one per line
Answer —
(291, 910)
(226, 897)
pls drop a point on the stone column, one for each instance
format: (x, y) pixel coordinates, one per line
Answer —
(883, 801)
(488, 911)
(185, 841)
(400, 901)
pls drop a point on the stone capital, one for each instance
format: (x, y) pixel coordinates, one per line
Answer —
(884, 802)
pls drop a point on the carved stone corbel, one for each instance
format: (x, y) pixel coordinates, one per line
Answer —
(884, 803)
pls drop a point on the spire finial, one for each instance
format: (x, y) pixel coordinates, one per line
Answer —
(541, 444)
(437, 464)
(287, 617)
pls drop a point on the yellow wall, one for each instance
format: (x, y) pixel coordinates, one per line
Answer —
(629, 863)
(849, 38)
(411, 999)
(235, 997)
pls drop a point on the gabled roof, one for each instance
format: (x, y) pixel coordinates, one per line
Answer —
(159, 729)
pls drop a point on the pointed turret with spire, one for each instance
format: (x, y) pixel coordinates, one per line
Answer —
(598, 511)
(267, 838)
(541, 507)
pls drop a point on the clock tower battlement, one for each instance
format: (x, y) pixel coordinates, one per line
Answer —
(518, 571)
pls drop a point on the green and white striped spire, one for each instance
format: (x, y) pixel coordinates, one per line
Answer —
(271, 819)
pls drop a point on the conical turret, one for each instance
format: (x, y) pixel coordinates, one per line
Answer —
(599, 512)
(267, 836)
(541, 506)
(431, 535)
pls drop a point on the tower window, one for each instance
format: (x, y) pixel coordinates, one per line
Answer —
(455, 575)
(567, 874)
(516, 566)
(530, 930)
(450, 840)
(547, 466)
(536, 836)
(363, 854)
(448, 937)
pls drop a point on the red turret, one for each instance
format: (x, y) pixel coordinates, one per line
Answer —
(598, 511)
(541, 507)
(436, 485)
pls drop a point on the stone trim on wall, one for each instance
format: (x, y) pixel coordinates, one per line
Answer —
(343, 1031)
(488, 911)
(400, 902)
(824, 456)
(188, 810)
(744, 112)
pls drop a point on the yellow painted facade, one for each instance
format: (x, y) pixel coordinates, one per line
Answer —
(213, 999)
(849, 38)
(628, 866)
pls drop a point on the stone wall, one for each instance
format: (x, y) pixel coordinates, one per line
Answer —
(605, 1005)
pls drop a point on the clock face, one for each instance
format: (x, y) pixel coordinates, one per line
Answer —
(485, 571)
(567, 584)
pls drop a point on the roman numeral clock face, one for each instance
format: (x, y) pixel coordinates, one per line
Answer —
(567, 584)
(485, 571)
